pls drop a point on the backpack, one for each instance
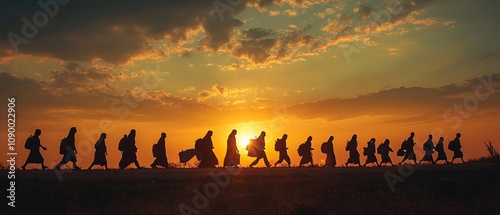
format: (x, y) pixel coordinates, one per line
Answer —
(452, 146)
(324, 147)
(122, 144)
(156, 150)
(62, 146)
(380, 149)
(30, 143)
(278, 145)
(252, 148)
(198, 144)
(302, 149)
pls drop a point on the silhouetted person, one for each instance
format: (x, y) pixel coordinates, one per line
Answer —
(369, 151)
(261, 146)
(307, 156)
(330, 161)
(457, 149)
(428, 149)
(100, 152)
(440, 151)
(352, 147)
(232, 154)
(34, 146)
(407, 146)
(69, 150)
(283, 151)
(161, 158)
(129, 151)
(208, 160)
(384, 149)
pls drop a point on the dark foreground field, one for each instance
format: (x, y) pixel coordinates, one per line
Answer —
(438, 189)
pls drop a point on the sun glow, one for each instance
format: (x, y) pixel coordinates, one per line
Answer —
(243, 139)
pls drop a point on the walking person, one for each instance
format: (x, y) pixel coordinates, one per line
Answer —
(384, 149)
(129, 152)
(260, 147)
(100, 152)
(440, 151)
(352, 147)
(160, 152)
(68, 150)
(456, 147)
(34, 145)
(369, 152)
(327, 148)
(306, 152)
(282, 149)
(428, 149)
(232, 154)
(208, 160)
(407, 146)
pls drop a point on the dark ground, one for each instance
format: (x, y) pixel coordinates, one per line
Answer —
(430, 189)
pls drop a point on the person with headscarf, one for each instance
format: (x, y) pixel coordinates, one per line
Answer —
(352, 147)
(384, 149)
(129, 154)
(261, 154)
(100, 152)
(34, 146)
(232, 154)
(208, 160)
(428, 149)
(283, 151)
(330, 161)
(369, 152)
(440, 151)
(69, 150)
(407, 146)
(161, 157)
(307, 155)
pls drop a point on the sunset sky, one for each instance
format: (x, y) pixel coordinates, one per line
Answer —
(316, 68)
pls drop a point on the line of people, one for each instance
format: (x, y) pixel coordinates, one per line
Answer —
(203, 150)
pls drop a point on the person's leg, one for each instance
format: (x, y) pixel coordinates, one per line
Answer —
(287, 159)
(266, 161)
(255, 161)
(91, 165)
(137, 164)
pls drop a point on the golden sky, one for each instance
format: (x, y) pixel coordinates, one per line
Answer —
(379, 69)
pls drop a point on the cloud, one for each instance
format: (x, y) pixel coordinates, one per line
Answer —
(289, 12)
(115, 31)
(416, 102)
(274, 13)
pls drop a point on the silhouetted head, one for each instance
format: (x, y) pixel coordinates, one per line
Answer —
(234, 132)
(330, 139)
(387, 141)
(124, 136)
(38, 132)
(412, 134)
(430, 136)
(441, 139)
(72, 130)
(309, 138)
(354, 137)
(372, 140)
(209, 133)
(459, 135)
(263, 133)
(131, 135)
(163, 135)
(285, 136)
(103, 136)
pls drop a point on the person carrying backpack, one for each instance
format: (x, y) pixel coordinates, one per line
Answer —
(161, 153)
(34, 145)
(306, 152)
(384, 149)
(68, 150)
(327, 148)
(428, 149)
(407, 146)
(261, 154)
(369, 152)
(440, 151)
(457, 149)
(352, 147)
(282, 149)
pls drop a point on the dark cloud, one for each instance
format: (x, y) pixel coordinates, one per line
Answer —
(114, 30)
(422, 103)
(364, 11)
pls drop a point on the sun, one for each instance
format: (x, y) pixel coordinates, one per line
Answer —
(242, 140)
